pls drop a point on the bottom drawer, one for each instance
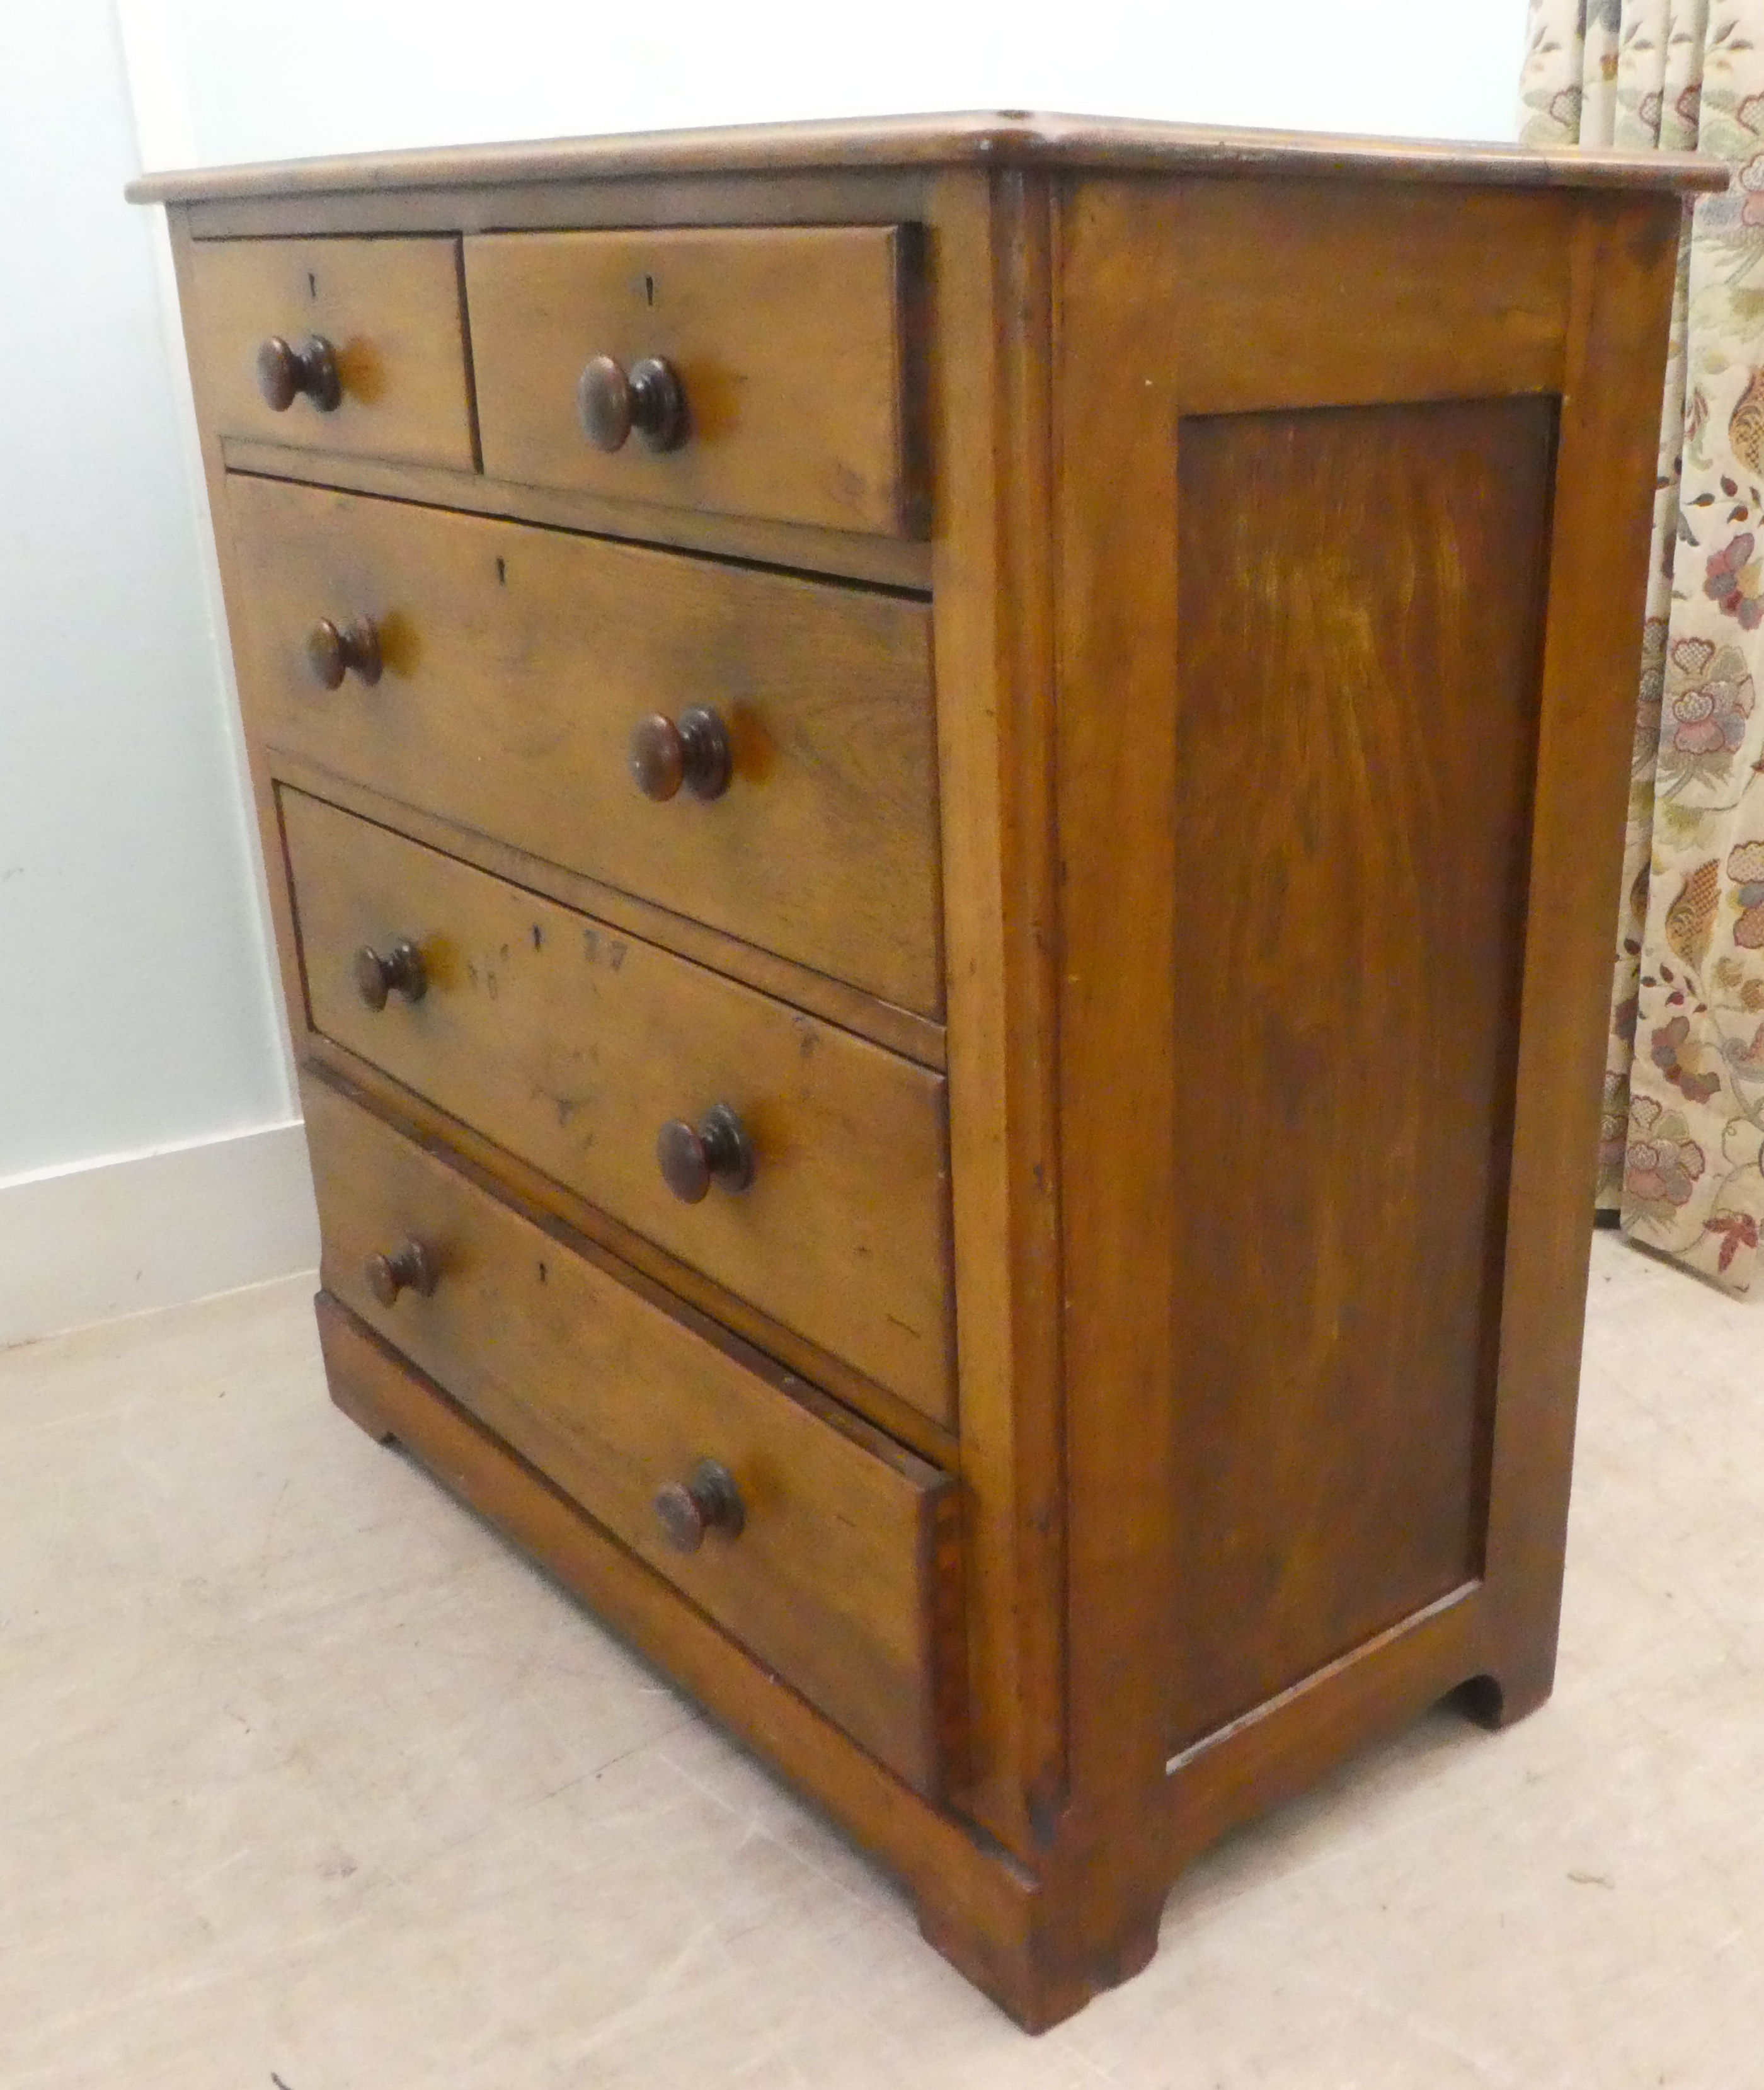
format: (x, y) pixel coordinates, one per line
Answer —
(824, 1547)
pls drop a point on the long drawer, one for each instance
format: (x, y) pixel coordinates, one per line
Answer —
(824, 1548)
(574, 1047)
(511, 667)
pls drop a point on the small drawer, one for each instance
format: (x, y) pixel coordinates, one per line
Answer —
(511, 667)
(375, 335)
(825, 1204)
(760, 372)
(825, 1549)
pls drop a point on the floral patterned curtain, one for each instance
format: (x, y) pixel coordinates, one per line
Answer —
(1683, 1120)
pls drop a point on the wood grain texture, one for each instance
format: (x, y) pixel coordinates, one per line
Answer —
(832, 1581)
(827, 196)
(571, 1046)
(1192, 719)
(788, 341)
(1149, 1042)
(1287, 1744)
(894, 562)
(517, 662)
(988, 138)
(990, 264)
(916, 1037)
(390, 308)
(1623, 259)
(1122, 306)
(543, 1199)
(1318, 295)
(1353, 816)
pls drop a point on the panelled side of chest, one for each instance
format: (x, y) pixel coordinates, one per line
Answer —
(1346, 664)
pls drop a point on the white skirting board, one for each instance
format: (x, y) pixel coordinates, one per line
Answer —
(134, 1231)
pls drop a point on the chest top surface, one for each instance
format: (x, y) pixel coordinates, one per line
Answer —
(1008, 138)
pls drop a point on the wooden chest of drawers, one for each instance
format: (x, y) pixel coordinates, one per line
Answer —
(942, 801)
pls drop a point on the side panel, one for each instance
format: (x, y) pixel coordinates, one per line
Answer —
(1348, 637)
(1359, 616)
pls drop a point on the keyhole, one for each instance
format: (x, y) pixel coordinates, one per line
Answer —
(502, 571)
(313, 287)
(649, 290)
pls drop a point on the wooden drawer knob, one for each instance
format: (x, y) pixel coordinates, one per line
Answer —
(611, 402)
(399, 970)
(710, 1501)
(694, 752)
(690, 1158)
(284, 372)
(352, 649)
(410, 1267)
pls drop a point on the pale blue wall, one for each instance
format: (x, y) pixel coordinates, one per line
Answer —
(135, 1009)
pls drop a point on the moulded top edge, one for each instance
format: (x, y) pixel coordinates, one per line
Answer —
(1009, 137)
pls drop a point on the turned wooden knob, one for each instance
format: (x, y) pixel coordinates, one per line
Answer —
(611, 402)
(689, 1158)
(694, 752)
(352, 649)
(284, 372)
(399, 970)
(410, 1267)
(710, 1501)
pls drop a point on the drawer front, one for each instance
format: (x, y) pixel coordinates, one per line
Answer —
(786, 345)
(844, 1561)
(391, 312)
(572, 1045)
(517, 663)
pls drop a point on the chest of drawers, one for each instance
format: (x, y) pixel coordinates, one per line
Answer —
(942, 802)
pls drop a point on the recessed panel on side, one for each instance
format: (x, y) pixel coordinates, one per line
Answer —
(1360, 610)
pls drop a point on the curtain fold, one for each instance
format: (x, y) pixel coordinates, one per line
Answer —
(1683, 1117)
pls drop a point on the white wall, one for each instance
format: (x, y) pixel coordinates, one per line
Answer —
(136, 1004)
(280, 78)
